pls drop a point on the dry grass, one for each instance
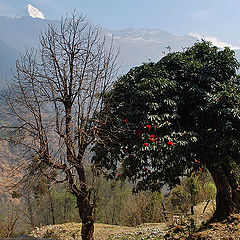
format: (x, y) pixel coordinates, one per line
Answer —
(71, 231)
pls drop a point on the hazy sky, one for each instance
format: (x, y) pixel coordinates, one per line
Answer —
(217, 20)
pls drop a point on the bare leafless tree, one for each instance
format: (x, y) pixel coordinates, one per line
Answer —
(55, 100)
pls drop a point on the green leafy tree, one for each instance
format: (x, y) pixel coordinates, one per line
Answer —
(171, 118)
(179, 199)
(192, 187)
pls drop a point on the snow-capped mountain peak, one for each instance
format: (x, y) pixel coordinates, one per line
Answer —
(30, 11)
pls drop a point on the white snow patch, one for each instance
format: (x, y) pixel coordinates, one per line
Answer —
(30, 11)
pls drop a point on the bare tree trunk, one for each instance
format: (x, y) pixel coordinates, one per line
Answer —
(86, 214)
(83, 203)
(228, 195)
(192, 210)
(52, 208)
(11, 226)
(204, 209)
(164, 212)
(29, 212)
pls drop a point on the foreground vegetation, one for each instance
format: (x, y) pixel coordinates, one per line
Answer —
(115, 205)
(174, 228)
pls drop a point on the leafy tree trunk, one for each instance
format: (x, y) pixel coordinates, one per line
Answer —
(234, 185)
(228, 194)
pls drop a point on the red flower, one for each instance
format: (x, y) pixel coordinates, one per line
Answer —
(148, 126)
(200, 169)
(218, 99)
(170, 143)
(152, 138)
(196, 161)
(119, 174)
(145, 144)
(138, 132)
(126, 120)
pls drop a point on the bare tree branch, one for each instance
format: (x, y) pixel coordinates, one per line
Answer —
(55, 98)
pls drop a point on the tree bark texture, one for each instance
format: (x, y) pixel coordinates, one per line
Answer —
(228, 194)
(85, 213)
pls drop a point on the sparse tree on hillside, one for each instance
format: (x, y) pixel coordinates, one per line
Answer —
(55, 99)
(173, 117)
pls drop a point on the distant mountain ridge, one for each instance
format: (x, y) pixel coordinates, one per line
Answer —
(156, 35)
(143, 45)
(136, 45)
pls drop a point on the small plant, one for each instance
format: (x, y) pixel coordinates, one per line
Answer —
(191, 227)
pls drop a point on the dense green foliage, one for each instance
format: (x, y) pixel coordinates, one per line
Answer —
(169, 118)
(192, 191)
